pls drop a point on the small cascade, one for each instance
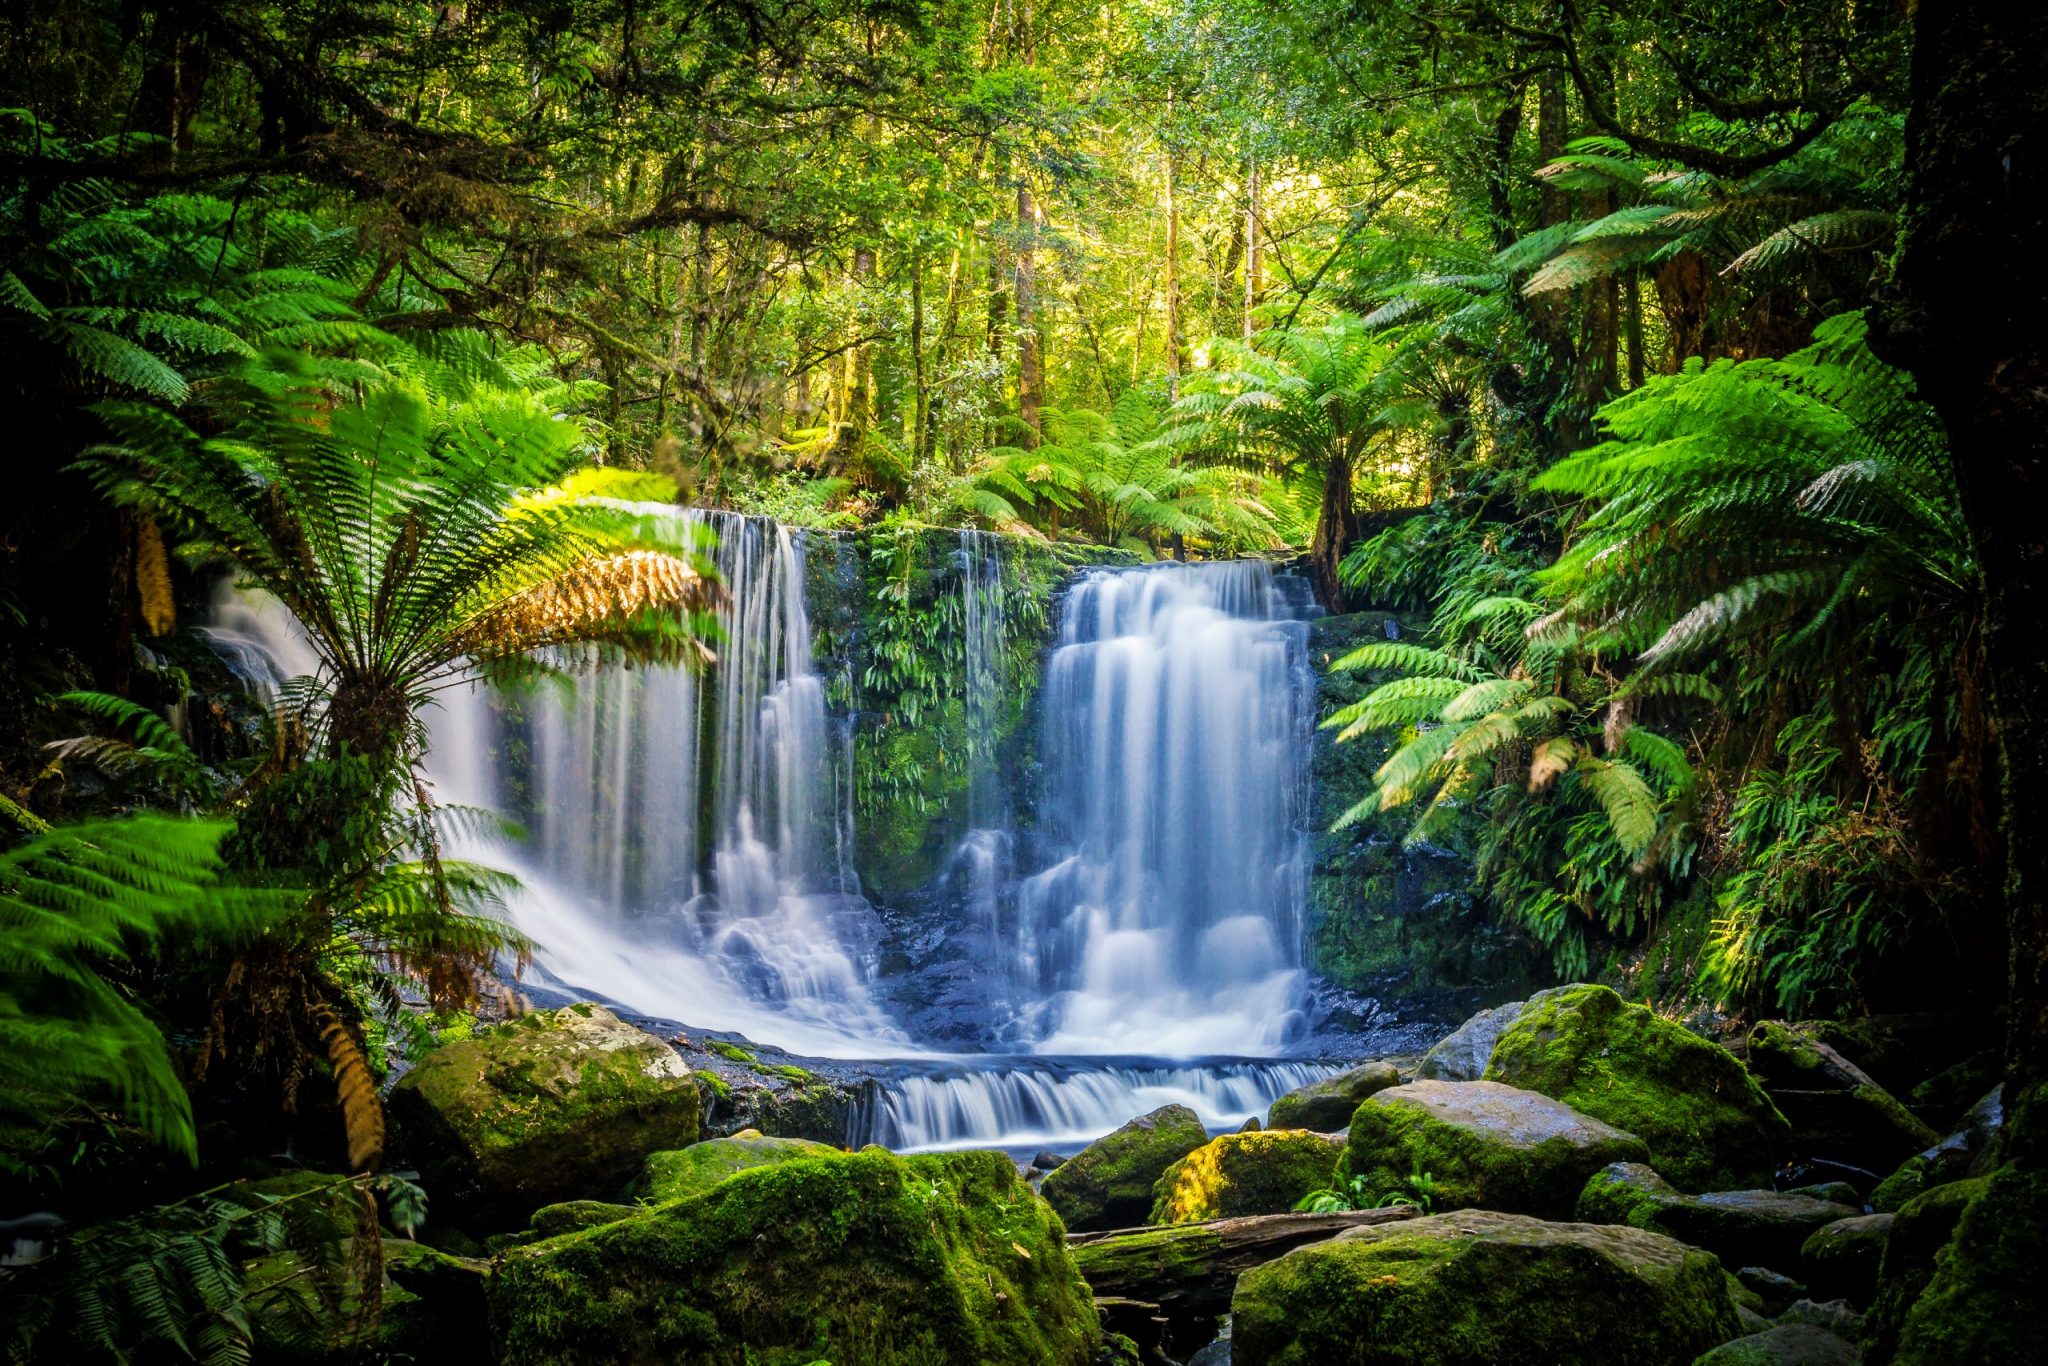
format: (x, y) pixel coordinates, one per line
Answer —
(982, 863)
(1047, 1104)
(1168, 914)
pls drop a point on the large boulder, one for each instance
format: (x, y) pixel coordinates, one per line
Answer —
(1326, 1105)
(1923, 1228)
(1742, 1228)
(683, 1172)
(1984, 1302)
(1970, 1151)
(1482, 1144)
(1108, 1184)
(1462, 1054)
(1842, 1259)
(1837, 1112)
(563, 1105)
(1706, 1121)
(863, 1257)
(1264, 1172)
(1479, 1287)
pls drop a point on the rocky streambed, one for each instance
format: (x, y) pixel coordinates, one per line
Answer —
(1572, 1178)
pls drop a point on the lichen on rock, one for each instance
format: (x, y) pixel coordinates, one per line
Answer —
(1262, 1172)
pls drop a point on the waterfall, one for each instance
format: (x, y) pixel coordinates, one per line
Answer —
(1167, 915)
(1045, 1104)
(689, 852)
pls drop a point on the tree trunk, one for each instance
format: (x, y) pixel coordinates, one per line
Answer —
(1251, 244)
(1030, 365)
(1964, 312)
(1333, 531)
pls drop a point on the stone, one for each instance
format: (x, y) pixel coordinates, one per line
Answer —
(1842, 1259)
(552, 1221)
(1924, 1226)
(1462, 1054)
(1261, 1172)
(929, 1260)
(556, 1106)
(1761, 1227)
(1108, 1184)
(1790, 1344)
(1836, 1111)
(1837, 1316)
(1774, 1288)
(1707, 1123)
(1839, 1192)
(1482, 1144)
(1047, 1161)
(1984, 1303)
(1967, 1152)
(1326, 1105)
(683, 1172)
(1477, 1287)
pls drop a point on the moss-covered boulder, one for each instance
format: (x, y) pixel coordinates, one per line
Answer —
(1482, 1144)
(1477, 1286)
(1841, 1260)
(1326, 1105)
(1970, 1151)
(1743, 1228)
(311, 1311)
(683, 1172)
(1924, 1226)
(573, 1216)
(1266, 1172)
(1836, 1111)
(1788, 1344)
(1706, 1121)
(1108, 1184)
(1984, 1303)
(562, 1105)
(863, 1257)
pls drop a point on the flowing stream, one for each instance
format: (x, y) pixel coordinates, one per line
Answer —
(689, 840)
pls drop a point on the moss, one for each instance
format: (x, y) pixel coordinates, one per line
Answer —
(731, 1052)
(1841, 1260)
(1481, 1287)
(693, 1170)
(1908, 1182)
(552, 1221)
(1245, 1173)
(1108, 1184)
(868, 1258)
(719, 1087)
(1924, 1227)
(1326, 1105)
(558, 1106)
(1482, 1144)
(1706, 1121)
(1743, 1228)
(1984, 1301)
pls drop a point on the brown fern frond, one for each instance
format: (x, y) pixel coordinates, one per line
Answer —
(581, 601)
(362, 1113)
(153, 578)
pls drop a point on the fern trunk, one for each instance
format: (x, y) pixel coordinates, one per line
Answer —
(1333, 533)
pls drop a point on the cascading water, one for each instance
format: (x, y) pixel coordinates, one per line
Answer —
(688, 857)
(1167, 919)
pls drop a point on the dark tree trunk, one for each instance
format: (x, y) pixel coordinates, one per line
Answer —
(1333, 532)
(1965, 311)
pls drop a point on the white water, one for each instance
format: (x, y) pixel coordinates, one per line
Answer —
(1167, 918)
(1037, 1106)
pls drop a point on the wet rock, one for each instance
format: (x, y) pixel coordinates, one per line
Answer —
(1326, 1105)
(1970, 1151)
(1774, 1288)
(557, 1106)
(1462, 1054)
(1482, 1144)
(684, 1172)
(1047, 1161)
(863, 1257)
(1246, 1173)
(1108, 1184)
(1984, 1302)
(1840, 1192)
(1837, 1316)
(1792, 1344)
(1760, 1227)
(1836, 1111)
(1479, 1287)
(1842, 1259)
(1923, 1228)
(1707, 1123)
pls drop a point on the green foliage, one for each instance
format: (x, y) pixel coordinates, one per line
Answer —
(1358, 1193)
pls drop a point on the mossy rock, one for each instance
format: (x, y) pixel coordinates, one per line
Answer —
(1743, 1228)
(429, 1305)
(1326, 1105)
(1483, 1144)
(1108, 1184)
(1479, 1287)
(558, 1106)
(1924, 1227)
(572, 1216)
(1984, 1303)
(1836, 1111)
(864, 1257)
(1788, 1344)
(1265, 1172)
(683, 1172)
(1841, 1260)
(1462, 1054)
(1707, 1122)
